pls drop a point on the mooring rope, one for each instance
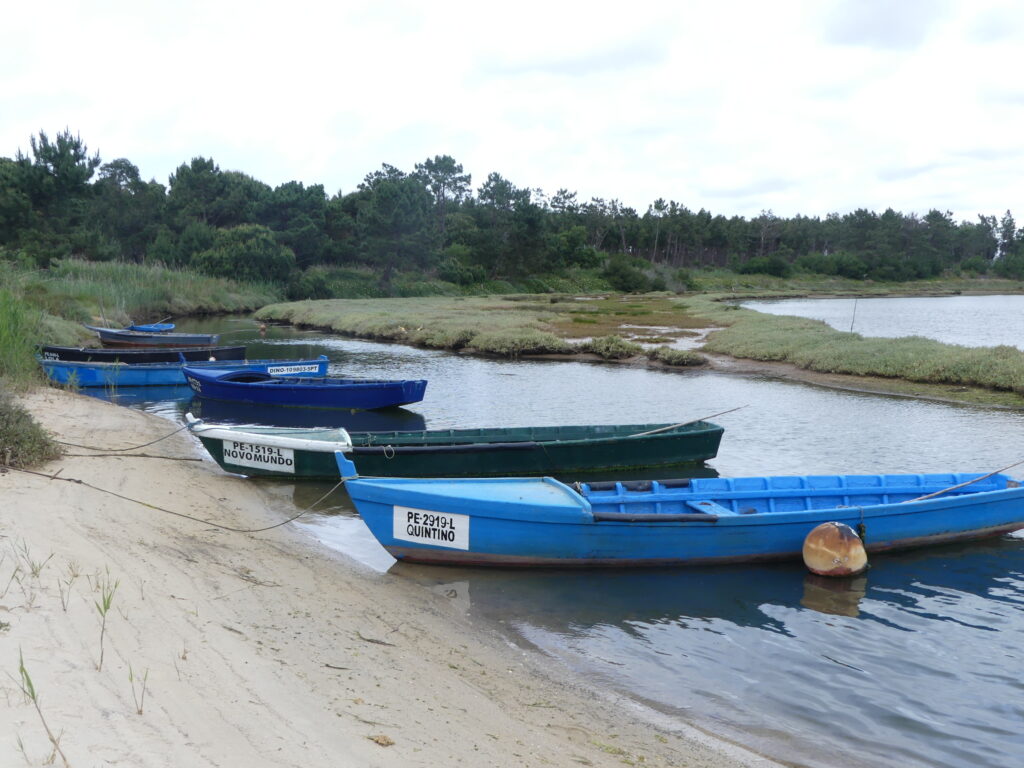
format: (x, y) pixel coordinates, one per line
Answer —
(130, 448)
(171, 511)
(685, 423)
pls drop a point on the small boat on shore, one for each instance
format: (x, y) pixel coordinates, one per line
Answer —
(457, 452)
(124, 337)
(135, 355)
(543, 522)
(118, 374)
(303, 392)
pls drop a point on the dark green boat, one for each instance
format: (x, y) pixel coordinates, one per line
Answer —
(492, 452)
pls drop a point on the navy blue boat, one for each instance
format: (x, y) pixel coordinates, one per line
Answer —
(315, 392)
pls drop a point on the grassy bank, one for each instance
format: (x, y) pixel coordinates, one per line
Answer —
(49, 307)
(507, 326)
(622, 327)
(815, 346)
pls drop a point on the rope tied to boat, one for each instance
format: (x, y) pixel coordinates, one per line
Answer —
(171, 511)
(130, 448)
(685, 423)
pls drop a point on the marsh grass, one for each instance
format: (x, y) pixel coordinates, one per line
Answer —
(611, 347)
(677, 357)
(485, 324)
(524, 324)
(508, 326)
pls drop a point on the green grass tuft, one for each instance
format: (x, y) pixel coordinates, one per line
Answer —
(23, 443)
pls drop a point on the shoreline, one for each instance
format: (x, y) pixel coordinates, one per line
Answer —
(261, 648)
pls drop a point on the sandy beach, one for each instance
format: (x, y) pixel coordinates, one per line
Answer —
(256, 649)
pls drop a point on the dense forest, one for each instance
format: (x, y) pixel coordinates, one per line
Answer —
(59, 201)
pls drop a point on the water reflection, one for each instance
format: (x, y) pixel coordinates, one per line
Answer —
(840, 597)
(756, 652)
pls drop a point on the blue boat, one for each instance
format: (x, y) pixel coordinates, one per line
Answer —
(303, 392)
(87, 374)
(123, 337)
(153, 328)
(543, 522)
(140, 354)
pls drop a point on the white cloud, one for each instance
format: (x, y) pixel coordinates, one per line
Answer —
(796, 106)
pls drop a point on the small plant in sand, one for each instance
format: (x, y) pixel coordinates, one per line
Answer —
(35, 567)
(107, 590)
(140, 696)
(28, 689)
(64, 584)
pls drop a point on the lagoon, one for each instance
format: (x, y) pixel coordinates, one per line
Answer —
(917, 663)
(970, 321)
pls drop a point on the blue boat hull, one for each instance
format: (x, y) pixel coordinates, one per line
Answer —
(301, 392)
(122, 337)
(85, 374)
(139, 355)
(541, 522)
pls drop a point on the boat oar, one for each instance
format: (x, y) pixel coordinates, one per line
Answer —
(684, 423)
(969, 482)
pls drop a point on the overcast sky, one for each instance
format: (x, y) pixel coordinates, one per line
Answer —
(737, 107)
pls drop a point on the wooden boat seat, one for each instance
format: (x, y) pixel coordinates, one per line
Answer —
(709, 507)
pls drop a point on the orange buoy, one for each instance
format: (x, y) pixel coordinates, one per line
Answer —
(834, 549)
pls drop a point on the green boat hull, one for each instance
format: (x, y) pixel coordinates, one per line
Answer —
(518, 451)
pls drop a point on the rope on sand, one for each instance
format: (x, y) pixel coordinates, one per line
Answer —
(130, 448)
(171, 511)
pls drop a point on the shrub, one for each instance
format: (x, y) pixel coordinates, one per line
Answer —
(23, 443)
(248, 252)
(622, 275)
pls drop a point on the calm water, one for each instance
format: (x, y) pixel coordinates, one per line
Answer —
(918, 663)
(971, 321)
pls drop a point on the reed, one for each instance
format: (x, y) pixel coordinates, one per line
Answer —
(18, 322)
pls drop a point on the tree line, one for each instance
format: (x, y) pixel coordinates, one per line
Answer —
(59, 200)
